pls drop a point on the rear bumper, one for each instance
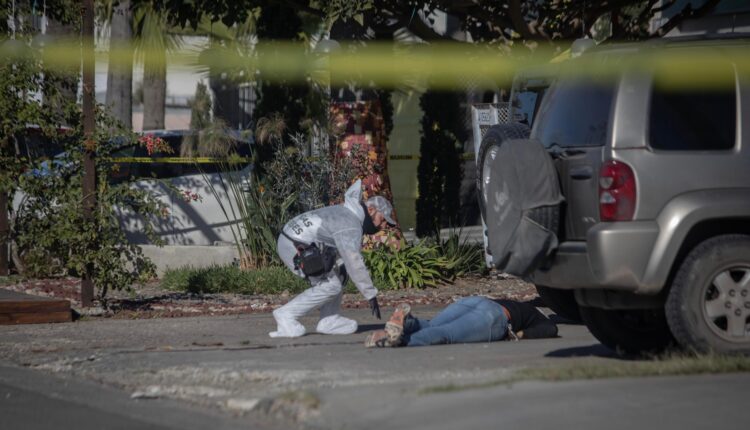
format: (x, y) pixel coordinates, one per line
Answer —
(614, 256)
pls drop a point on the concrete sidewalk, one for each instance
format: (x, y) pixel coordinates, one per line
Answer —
(228, 367)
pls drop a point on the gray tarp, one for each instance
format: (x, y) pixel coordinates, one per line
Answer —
(520, 183)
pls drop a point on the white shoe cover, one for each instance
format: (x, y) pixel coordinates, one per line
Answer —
(286, 326)
(336, 324)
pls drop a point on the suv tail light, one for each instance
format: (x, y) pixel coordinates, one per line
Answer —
(617, 192)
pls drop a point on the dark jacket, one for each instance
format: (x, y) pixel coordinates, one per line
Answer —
(527, 318)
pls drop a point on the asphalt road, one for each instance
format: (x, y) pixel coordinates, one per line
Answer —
(224, 372)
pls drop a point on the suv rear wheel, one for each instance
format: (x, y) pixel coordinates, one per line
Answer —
(708, 307)
(632, 331)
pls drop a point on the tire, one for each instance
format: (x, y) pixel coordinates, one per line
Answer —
(496, 135)
(708, 307)
(562, 302)
(631, 331)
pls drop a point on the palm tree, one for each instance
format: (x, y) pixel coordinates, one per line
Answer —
(120, 70)
(146, 30)
(152, 42)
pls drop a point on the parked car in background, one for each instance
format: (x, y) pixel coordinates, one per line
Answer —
(196, 216)
(35, 145)
(195, 213)
(653, 235)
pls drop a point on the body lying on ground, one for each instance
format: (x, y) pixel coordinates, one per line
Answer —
(471, 319)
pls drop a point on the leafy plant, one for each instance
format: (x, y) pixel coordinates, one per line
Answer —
(260, 217)
(315, 170)
(49, 234)
(52, 237)
(416, 266)
(254, 217)
(439, 170)
(294, 182)
(464, 257)
(427, 263)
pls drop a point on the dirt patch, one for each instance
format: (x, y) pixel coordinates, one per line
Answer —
(152, 301)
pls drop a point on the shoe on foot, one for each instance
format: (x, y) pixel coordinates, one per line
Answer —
(395, 325)
(377, 339)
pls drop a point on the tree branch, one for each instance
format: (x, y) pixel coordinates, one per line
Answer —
(498, 23)
(304, 7)
(516, 17)
(687, 12)
(421, 29)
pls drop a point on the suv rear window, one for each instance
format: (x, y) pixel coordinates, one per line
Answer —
(574, 113)
(694, 119)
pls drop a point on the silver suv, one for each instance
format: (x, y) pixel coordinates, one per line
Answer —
(653, 237)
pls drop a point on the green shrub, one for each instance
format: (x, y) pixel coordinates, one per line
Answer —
(427, 263)
(230, 279)
(439, 171)
(416, 266)
(465, 258)
(49, 235)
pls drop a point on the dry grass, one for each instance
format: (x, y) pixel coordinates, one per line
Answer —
(670, 364)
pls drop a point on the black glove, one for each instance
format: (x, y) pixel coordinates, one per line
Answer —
(375, 307)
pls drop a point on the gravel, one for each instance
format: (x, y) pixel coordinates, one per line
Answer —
(152, 301)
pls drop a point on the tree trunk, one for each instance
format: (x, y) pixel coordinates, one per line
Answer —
(120, 72)
(4, 233)
(154, 89)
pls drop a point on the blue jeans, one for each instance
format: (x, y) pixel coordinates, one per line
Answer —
(472, 319)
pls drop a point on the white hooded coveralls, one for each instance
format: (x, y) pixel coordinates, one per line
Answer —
(340, 227)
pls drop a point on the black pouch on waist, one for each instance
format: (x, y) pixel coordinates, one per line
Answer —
(310, 260)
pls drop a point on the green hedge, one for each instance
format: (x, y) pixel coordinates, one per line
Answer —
(230, 279)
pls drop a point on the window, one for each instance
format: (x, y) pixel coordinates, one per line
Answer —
(36, 145)
(689, 118)
(574, 113)
(526, 103)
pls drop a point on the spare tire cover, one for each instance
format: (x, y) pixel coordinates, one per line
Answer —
(498, 133)
(519, 178)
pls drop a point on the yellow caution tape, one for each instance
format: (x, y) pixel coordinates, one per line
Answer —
(464, 156)
(203, 160)
(180, 160)
(448, 66)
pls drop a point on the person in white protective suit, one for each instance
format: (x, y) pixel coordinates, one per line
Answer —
(337, 233)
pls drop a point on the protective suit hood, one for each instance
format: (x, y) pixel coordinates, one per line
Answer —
(353, 199)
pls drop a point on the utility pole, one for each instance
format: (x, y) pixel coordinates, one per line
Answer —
(4, 229)
(89, 144)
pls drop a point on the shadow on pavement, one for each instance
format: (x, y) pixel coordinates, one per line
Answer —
(595, 350)
(557, 319)
(363, 328)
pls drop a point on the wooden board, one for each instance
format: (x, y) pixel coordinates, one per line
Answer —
(19, 308)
